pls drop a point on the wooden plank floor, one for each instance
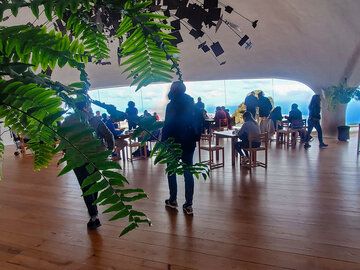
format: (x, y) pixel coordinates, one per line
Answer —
(301, 213)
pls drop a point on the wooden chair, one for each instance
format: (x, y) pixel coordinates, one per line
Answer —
(253, 161)
(211, 148)
(223, 123)
(135, 145)
(283, 135)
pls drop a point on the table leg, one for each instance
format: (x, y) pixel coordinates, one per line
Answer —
(217, 151)
(233, 140)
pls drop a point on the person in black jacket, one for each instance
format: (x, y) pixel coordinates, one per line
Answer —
(178, 125)
(251, 102)
(296, 121)
(102, 132)
(314, 121)
(264, 105)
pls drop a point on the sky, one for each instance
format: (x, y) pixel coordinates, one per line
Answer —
(229, 93)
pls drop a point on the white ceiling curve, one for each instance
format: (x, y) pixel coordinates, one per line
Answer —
(311, 41)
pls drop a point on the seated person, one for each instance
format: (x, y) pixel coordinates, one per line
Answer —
(147, 114)
(157, 117)
(296, 121)
(104, 117)
(228, 117)
(111, 126)
(276, 116)
(250, 128)
(220, 117)
(120, 143)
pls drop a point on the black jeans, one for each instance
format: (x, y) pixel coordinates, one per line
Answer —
(239, 146)
(187, 158)
(132, 125)
(311, 125)
(81, 174)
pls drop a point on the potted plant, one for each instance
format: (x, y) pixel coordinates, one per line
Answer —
(341, 94)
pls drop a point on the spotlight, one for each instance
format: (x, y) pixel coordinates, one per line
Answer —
(217, 49)
(178, 39)
(196, 33)
(229, 9)
(211, 4)
(254, 23)
(176, 25)
(243, 40)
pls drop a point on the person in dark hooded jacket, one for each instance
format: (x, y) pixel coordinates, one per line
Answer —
(178, 125)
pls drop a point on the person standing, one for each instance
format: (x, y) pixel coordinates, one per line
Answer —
(200, 104)
(178, 124)
(251, 102)
(132, 115)
(265, 108)
(81, 172)
(314, 121)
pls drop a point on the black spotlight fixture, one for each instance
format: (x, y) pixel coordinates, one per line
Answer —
(217, 49)
(243, 40)
(254, 23)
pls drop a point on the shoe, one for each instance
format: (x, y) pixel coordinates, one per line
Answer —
(93, 224)
(323, 145)
(188, 210)
(306, 145)
(171, 204)
(311, 139)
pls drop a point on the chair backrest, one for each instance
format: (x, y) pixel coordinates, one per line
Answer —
(206, 138)
(263, 138)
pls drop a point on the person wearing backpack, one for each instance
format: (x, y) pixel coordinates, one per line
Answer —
(183, 122)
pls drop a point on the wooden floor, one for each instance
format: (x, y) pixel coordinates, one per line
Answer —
(303, 212)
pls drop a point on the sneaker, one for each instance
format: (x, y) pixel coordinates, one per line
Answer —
(93, 224)
(306, 145)
(323, 145)
(188, 210)
(171, 204)
(311, 138)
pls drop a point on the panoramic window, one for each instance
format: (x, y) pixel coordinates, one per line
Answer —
(229, 93)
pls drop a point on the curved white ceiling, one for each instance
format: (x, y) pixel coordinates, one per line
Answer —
(311, 41)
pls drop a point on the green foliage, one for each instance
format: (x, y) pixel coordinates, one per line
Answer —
(147, 49)
(32, 111)
(95, 42)
(35, 46)
(81, 148)
(341, 94)
(31, 103)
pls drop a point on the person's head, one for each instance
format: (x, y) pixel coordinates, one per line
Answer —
(315, 101)
(218, 108)
(294, 106)
(199, 99)
(261, 94)
(146, 112)
(84, 106)
(277, 110)
(247, 116)
(131, 104)
(155, 114)
(104, 116)
(97, 113)
(252, 93)
(177, 89)
(223, 108)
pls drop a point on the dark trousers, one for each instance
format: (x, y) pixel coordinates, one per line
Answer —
(239, 146)
(81, 174)
(132, 125)
(187, 158)
(311, 125)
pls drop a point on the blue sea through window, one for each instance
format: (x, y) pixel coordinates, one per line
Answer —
(229, 93)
